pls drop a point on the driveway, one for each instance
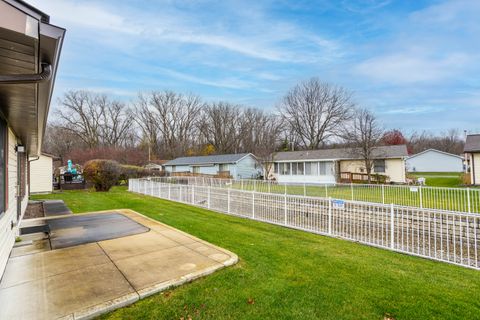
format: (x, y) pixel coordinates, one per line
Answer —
(107, 260)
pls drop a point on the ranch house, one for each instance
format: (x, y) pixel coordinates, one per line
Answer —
(327, 166)
(236, 166)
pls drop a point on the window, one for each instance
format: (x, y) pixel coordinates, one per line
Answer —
(379, 166)
(322, 168)
(276, 168)
(294, 168)
(300, 168)
(284, 168)
(196, 169)
(174, 168)
(223, 167)
(3, 178)
(311, 168)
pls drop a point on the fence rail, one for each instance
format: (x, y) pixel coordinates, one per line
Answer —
(449, 199)
(451, 237)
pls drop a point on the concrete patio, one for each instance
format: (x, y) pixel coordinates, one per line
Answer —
(86, 280)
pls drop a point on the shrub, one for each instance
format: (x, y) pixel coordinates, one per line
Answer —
(103, 174)
(129, 172)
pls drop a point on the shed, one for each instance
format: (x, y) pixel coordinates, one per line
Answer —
(432, 160)
(41, 173)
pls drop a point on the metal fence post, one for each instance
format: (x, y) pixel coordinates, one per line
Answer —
(169, 191)
(193, 194)
(228, 201)
(468, 200)
(392, 226)
(329, 215)
(285, 203)
(285, 188)
(420, 194)
(383, 193)
(269, 188)
(304, 189)
(208, 197)
(180, 193)
(326, 190)
(241, 184)
(253, 205)
(351, 188)
(254, 185)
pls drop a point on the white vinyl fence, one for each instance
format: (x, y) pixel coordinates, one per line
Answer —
(451, 237)
(450, 199)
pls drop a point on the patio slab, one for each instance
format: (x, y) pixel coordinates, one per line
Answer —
(84, 281)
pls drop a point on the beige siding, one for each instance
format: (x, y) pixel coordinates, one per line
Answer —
(7, 234)
(41, 172)
(475, 168)
(394, 168)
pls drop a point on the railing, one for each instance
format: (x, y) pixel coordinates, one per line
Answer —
(440, 235)
(450, 199)
(361, 177)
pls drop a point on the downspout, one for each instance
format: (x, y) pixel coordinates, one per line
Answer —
(38, 157)
(43, 76)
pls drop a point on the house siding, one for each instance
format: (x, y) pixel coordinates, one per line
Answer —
(475, 170)
(247, 168)
(434, 161)
(7, 233)
(41, 172)
(394, 168)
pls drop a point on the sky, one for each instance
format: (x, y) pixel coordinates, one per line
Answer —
(415, 63)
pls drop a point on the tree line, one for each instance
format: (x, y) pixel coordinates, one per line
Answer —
(167, 124)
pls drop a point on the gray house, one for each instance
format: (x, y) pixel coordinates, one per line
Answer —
(238, 166)
(432, 160)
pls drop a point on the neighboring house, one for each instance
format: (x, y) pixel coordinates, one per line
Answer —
(30, 49)
(156, 165)
(432, 160)
(238, 166)
(472, 156)
(329, 165)
(41, 173)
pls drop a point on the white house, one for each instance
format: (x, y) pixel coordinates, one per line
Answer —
(472, 155)
(341, 164)
(41, 173)
(238, 166)
(30, 49)
(432, 160)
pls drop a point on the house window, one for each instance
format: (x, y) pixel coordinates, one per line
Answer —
(379, 166)
(197, 170)
(3, 169)
(174, 168)
(284, 169)
(300, 168)
(276, 168)
(222, 167)
(294, 168)
(322, 167)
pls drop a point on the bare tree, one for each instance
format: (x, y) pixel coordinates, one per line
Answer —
(95, 119)
(315, 111)
(145, 117)
(176, 115)
(365, 135)
(60, 142)
(80, 114)
(220, 126)
(449, 141)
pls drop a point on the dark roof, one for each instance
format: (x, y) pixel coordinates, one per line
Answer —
(473, 143)
(383, 152)
(214, 159)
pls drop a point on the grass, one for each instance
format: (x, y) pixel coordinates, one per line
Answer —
(441, 179)
(397, 194)
(290, 274)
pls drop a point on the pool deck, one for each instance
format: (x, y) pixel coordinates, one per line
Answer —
(86, 280)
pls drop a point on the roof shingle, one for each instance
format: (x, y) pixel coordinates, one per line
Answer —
(473, 143)
(221, 158)
(383, 152)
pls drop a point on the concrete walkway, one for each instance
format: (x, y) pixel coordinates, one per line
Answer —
(84, 281)
(53, 208)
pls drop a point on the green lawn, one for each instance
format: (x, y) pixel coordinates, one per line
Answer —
(441, 179)
(455, 200)
(289, 274)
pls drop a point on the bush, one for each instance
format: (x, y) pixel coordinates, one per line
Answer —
(103, 174)
(128, 172)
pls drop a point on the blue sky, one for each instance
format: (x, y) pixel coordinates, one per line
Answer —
(415, 63)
